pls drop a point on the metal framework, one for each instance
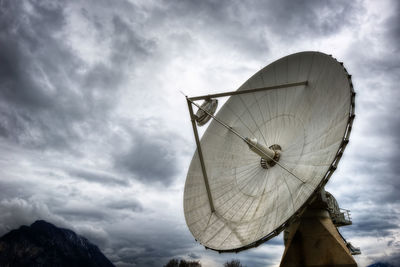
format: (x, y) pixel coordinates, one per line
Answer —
(254, 90)
(328, 174)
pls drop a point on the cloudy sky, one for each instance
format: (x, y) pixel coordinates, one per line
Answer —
(95, 135)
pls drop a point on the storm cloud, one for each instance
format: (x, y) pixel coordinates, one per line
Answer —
(95, 135)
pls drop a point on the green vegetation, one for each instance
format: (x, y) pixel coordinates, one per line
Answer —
(233, 263)
(183, 263)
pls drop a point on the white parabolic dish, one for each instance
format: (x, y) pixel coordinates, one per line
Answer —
(310, 122)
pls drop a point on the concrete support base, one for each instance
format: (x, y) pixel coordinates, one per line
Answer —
(315, 241)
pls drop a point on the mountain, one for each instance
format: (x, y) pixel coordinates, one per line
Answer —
(43, 244)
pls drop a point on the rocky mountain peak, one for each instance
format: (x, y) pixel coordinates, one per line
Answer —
(44, 244)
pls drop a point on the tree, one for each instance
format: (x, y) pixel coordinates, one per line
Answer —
(182, 263)
(233, 263)
(172, 263)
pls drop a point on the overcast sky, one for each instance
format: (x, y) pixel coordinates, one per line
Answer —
(95, 135)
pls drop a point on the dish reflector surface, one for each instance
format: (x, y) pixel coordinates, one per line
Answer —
(309, 122)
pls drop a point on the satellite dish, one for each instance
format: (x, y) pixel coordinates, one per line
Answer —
(268, 151)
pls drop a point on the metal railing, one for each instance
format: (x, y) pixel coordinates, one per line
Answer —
(346, 214)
